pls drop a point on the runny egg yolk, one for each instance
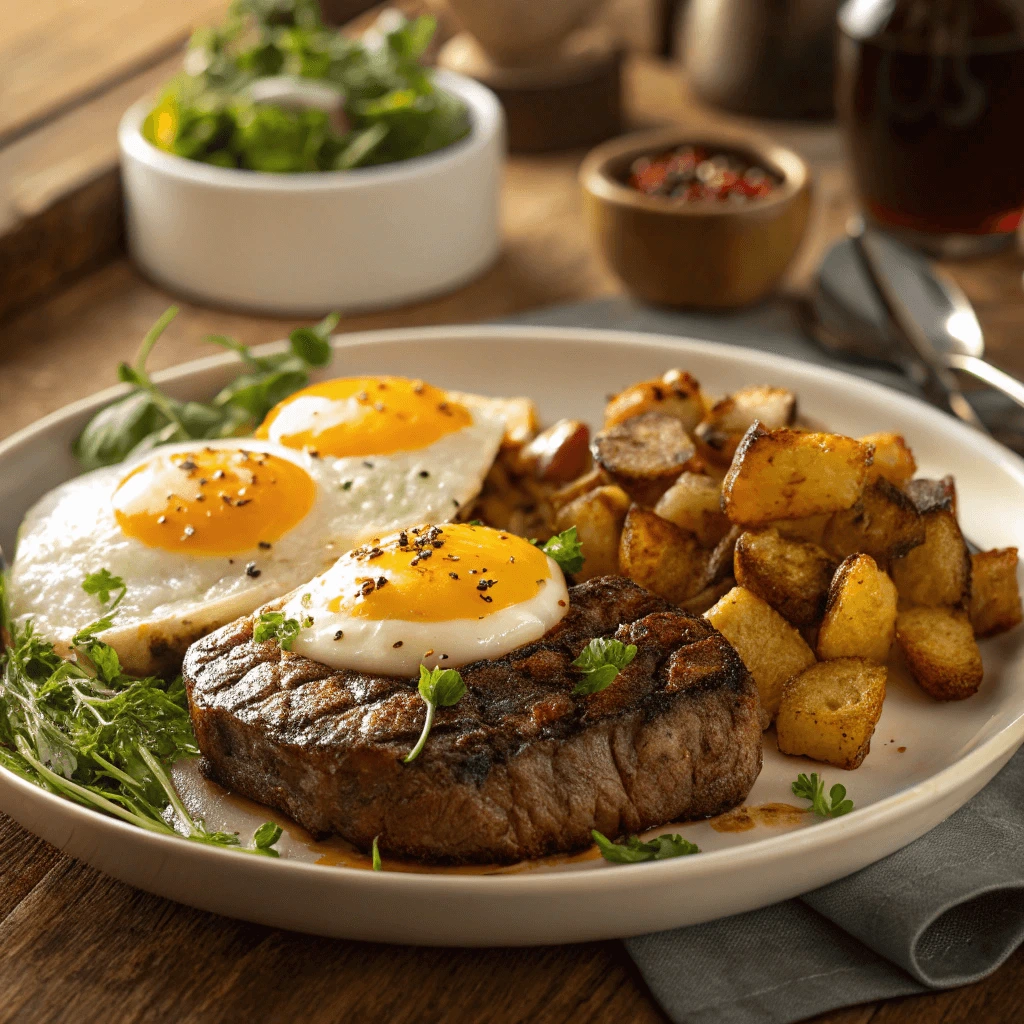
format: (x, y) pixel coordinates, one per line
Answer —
(435, 574)
(212, 501)
(357, 416)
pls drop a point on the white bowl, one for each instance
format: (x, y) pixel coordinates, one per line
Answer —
(303, 244)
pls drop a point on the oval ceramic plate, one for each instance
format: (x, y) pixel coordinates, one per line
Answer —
(926, 758)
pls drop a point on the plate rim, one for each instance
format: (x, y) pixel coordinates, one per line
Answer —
(916, 796)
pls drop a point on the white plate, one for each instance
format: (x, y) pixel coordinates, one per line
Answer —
(952, 750)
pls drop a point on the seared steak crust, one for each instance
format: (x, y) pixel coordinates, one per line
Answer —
(520, 767)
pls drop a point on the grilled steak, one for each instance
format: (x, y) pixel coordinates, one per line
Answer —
(520, 767)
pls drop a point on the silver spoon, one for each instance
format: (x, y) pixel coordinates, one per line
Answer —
(851, 319)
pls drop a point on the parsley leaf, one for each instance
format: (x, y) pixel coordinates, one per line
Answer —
(103, 584)
(377, 866)
(565, 549)
(265, 837)
(600, 662)
(634, 851)
(833, 806)
(274, 626)
(438, 688)
(148, 417)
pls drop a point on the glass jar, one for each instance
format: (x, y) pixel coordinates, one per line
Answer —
(931, 94)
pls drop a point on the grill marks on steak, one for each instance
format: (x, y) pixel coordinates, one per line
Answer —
(520, 767)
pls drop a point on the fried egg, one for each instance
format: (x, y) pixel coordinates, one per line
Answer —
(204, 532)
(432, 595)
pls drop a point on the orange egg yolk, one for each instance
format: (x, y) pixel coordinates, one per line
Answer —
(212, 501)
(358, 416)
(439, 573)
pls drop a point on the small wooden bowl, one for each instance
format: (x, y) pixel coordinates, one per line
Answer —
(710, 256)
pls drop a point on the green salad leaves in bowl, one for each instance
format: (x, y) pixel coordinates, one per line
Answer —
(276, 90)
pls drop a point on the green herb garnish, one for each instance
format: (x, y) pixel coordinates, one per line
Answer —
(833, 806)
(103, 584)
(385, 105)
(264, 839)
(86, 731)
(438, 688)
(565, 549)
(148, 417)
(600, 662)
(274, 626)
(633, 851)
(375, 852)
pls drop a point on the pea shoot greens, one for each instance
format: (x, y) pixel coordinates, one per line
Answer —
(335, 103)
(148, 417)
(438, 688)
(79, 727)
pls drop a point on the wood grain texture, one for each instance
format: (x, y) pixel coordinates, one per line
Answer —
(78, 947)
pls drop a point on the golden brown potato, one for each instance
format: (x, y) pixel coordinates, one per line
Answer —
(995, 597)
(894, 461)
(933, 495)
(701, 602)
(941, 652)
(674, 394)
(721, 431)
(829, 712)
(694, 503)
(937, 572)
(810, 529)
(860, 617)
(882, 523)
(521, 420)
(720, 561)
(589, 481)
(767, 644)
(788, 474)
(644, 455)
(791, 576)
(661, 557)
(598, 516)
(556, 455)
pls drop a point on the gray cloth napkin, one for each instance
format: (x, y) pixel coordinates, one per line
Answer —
(945, 911)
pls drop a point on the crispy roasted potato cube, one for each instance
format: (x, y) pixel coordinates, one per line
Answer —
(661, 557)
(598, 516)
(933, 495)
(674, 394)
(721, 431)
(767, 644)
(788, 474)
(644, 455)
(589, 481)
(883, 523)
(941, 652)
(937, 572)
(995, 596)
(791, 576)
(894, 461)
(860, 617)
(694, 503)
(556, 455)
(702, 601)
(829, 712)
(810, 529)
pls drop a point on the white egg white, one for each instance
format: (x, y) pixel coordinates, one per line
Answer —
(173, 597)
(397, 647)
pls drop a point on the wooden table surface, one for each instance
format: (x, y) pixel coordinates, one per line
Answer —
(77, 946)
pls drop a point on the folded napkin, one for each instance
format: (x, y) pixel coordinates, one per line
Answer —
(945, 911)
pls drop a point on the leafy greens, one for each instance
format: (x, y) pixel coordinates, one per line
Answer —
(81, 728)
(600, 662)
(833, 806)
(438, 687)
(634, 851)
(566, 550)
(147, 417)
(390, 109)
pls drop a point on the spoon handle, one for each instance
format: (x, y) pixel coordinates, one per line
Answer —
(932, 372)
(991, 375)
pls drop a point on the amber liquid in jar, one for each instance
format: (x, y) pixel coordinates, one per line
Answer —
(931, 93)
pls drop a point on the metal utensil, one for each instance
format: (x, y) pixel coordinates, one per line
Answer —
(850, 319)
